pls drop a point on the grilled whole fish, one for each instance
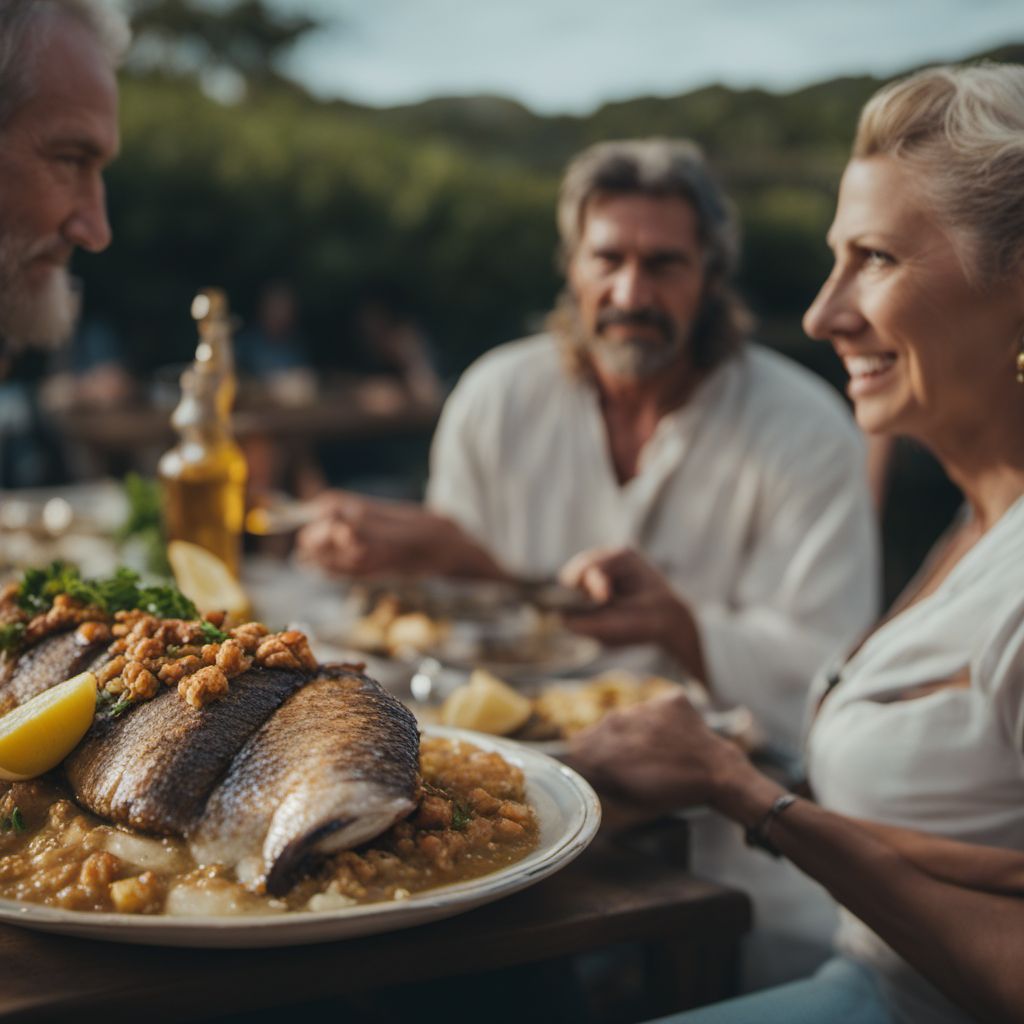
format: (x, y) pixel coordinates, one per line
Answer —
(154, 768)
(283, 770)
(50, 661)
(335, 766)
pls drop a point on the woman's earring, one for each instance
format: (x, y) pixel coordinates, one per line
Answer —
(1020, 363)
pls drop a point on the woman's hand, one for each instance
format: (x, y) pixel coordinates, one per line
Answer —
(636, 605)
(659, 754)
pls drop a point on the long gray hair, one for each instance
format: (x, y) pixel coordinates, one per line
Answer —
(660, 167)
(21, 27)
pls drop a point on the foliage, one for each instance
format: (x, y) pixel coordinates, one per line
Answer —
(282, 187)
(450, 202)
(180, 35)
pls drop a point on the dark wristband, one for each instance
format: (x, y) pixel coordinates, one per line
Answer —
(757, 835)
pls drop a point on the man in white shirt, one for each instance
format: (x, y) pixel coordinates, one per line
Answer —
(644, 436)
(644, 420)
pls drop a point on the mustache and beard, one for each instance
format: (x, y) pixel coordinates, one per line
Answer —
(637, 356)
(626, 355)
(32, 312)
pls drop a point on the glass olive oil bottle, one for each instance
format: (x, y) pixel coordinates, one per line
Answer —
(203, 476)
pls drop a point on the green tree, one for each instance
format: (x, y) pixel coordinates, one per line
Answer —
(179, 36)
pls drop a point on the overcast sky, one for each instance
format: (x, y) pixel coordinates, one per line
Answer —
(572, 55)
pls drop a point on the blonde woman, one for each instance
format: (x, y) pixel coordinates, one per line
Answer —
(915, 747)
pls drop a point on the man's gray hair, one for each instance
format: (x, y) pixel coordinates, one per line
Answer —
(661, 167)
(22, 25)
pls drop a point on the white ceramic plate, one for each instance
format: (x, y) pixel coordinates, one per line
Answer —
(569, 814)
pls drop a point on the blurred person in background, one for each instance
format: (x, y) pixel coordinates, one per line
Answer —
(387, 360)
(915, 750)
(58, 131)
(271, 350)
(392, 342)
(646, 421)
(273, 363)
(90, 371)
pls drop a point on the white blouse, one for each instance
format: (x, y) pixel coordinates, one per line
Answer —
(950, 762)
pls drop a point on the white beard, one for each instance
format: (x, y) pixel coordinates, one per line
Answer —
(41, 315)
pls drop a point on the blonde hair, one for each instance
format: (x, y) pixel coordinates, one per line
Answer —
(961, 131)
(661, 168)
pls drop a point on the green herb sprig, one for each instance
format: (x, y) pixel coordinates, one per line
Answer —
(12, 822)
(460, 816)
(145, 521)
(11, 635)
(111, 705)
(39, 587)
(211, 634)
(116, 593)
(119, 708)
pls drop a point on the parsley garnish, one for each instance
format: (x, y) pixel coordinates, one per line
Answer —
(12, 822)
(460, 816)
(117, 593)
(11, 634)
(166, 603)
(40, 586)
(211, 634)
(118, 709)
(110, 705)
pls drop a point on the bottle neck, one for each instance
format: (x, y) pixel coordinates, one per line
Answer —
(203, 414)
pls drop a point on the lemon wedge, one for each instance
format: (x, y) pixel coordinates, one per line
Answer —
(206, 581)
(486, 704)
(39, 734)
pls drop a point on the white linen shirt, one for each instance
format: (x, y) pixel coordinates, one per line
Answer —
(751, 498)
(950, 763)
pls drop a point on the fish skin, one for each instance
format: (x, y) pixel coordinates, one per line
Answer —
(155, 766)
(333, 767)
(46, 663)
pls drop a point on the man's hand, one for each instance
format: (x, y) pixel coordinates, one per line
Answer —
(637, 605)
(362, 536)
(658, 754)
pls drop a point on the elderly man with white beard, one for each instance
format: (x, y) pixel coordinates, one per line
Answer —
(58, 131)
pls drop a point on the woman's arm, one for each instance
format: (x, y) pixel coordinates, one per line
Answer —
(985, 868)
(968, 941)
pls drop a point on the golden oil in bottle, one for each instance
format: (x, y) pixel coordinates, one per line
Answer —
(203, 476)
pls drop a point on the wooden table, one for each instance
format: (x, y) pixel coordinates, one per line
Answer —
(618, 892)
(345, 411)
